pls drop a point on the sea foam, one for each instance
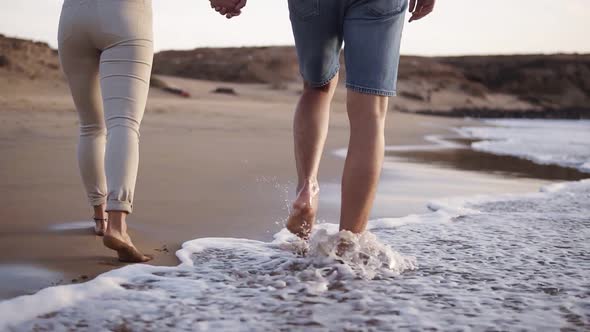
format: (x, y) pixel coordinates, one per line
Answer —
(560, 142)
(508, 262)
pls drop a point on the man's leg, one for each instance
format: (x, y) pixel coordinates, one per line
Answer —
(362, 168)
(310, 128)
(372, 35)
(318, 41)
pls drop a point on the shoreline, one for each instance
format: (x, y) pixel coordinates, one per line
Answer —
(208, 169)
(157, 289)
(548, 114)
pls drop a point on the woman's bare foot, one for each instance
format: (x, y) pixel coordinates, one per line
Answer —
(125, 249)
(116, 238)
(303, 216)
(100, 226)
(100, 220)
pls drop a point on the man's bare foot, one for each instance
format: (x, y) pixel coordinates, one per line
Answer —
(125, 249)
(303, 215)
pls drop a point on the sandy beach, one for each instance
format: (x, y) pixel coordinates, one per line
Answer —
(480, 220)
(212, 165)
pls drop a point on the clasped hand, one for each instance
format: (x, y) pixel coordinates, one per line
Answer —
(228, 8)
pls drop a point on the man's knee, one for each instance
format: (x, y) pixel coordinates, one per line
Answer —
(366, 106)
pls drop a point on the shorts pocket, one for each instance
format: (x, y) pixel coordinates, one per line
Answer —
(304, 9)
(121, 18)
(386, 7)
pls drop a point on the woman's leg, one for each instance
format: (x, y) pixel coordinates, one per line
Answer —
(125, 71)
(80, 63)
(125, 75)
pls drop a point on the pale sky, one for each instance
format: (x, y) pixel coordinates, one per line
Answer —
(456, 27)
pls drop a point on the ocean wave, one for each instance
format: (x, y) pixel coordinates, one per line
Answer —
(507, 262)
(559, 142)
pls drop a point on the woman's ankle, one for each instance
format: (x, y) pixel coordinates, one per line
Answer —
(117, 222)
(99, 212)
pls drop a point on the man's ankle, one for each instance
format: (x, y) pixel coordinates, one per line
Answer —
(309, 184)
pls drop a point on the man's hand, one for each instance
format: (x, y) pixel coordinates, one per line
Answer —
(228, 8)
(420, 8)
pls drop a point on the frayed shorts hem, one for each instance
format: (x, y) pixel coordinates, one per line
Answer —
(371, 91)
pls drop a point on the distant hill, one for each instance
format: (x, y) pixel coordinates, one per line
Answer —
(560, 80)
(239, 65)
(486, 86)
(537, 81)
(27, 58)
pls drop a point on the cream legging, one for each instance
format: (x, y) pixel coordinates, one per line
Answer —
(106, 51)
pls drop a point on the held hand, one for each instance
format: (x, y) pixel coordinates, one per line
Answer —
(228, 8)
(420, 8)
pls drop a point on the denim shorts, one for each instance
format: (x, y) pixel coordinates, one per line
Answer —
(371, 31)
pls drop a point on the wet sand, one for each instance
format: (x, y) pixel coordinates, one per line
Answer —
(470, 160)
(211, 166)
